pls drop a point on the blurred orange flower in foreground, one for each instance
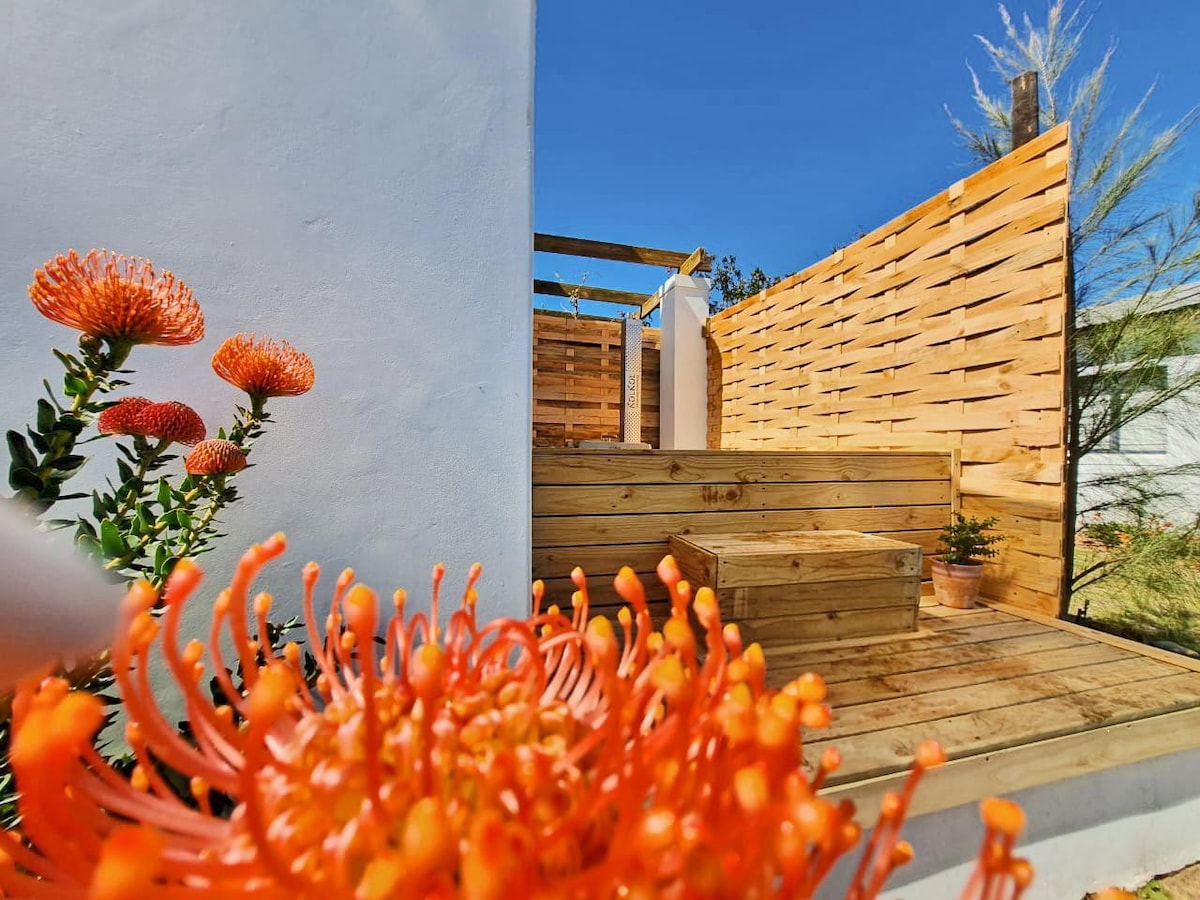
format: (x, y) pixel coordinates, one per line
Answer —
(543, 757)
(119, 298)
(263, 367)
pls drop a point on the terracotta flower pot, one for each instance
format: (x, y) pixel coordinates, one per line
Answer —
(956, 586)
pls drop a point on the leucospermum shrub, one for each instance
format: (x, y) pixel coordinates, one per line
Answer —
(146, 519)
(557, 756)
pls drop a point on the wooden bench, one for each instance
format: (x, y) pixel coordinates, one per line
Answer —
(792, 587)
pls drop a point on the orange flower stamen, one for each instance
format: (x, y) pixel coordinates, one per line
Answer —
(118, 298)
(263, 367)
(551, 756)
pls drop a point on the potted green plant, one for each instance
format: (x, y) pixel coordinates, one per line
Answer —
(963, 545)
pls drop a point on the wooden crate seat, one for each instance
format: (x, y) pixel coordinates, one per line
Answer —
(793, 587)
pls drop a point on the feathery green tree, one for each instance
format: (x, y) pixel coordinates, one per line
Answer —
(1134, 258)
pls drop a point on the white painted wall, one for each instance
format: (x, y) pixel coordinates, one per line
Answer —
(1118, 827)
(1176, 422)
(355, 178)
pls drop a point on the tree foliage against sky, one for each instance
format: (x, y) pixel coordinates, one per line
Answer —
(1127, 245)
(730, 286)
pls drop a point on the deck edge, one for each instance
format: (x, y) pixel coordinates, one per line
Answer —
(971, 778)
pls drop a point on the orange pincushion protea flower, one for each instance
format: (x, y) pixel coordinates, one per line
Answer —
(119, 298)
(169, 421)
(535, 758)
(215, 456)
(122, 417)
(263, 367)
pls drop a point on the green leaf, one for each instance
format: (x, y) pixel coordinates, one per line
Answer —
(184, 520)
(46, 415)
(85, 527)
(111, 541)
(40, 444)
(19, 451)
(50, 393)
(69, 424)
(164, 493)
(69, 463)
(74, 386)
(145, 516)
(89, 546)
(124, 471)
(160, 559)
(67, 359)
(20, 477)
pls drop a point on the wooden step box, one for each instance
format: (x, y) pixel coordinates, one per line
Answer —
(794, 587)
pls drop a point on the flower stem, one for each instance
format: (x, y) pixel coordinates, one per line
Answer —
(135, 551)
(130, 491)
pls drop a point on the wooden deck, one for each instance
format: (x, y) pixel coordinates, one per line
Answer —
(1016, 699)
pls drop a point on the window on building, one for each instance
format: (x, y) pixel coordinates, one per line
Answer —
(1145, 434)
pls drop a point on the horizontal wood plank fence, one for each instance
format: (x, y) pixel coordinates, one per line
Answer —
(601, 510)
(577, 380)
(942, 330)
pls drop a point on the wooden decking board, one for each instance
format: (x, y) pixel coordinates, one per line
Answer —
(1018, 639)
(889, 750)
(1015, 698)
(825, 661)
(846, 694)
(1010, 692)
(975, 618)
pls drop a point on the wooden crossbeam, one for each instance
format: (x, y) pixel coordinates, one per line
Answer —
(553, 243)
(587, 292)
(692, 264)
(699, 261)
(652, 304)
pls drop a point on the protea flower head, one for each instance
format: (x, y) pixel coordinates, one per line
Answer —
(545, 757)
(263, 367)
(118, 298)
(215, 456)
(122, 416)
(168, 421)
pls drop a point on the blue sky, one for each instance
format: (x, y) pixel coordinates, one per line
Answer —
(777, 130)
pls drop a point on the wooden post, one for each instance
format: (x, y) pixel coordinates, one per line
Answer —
(1024, 108)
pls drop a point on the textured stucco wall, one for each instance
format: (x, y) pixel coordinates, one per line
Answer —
(1116, 827)
(355, 178)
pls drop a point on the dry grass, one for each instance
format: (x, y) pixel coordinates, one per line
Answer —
(1153, 595)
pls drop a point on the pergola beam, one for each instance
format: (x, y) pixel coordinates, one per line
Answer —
(698, 260)
(587, 292)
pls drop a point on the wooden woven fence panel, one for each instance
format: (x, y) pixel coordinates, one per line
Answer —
(942, 330)
(601, 510)
(577, 380)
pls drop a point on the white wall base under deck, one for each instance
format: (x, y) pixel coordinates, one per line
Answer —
(1118, 827)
